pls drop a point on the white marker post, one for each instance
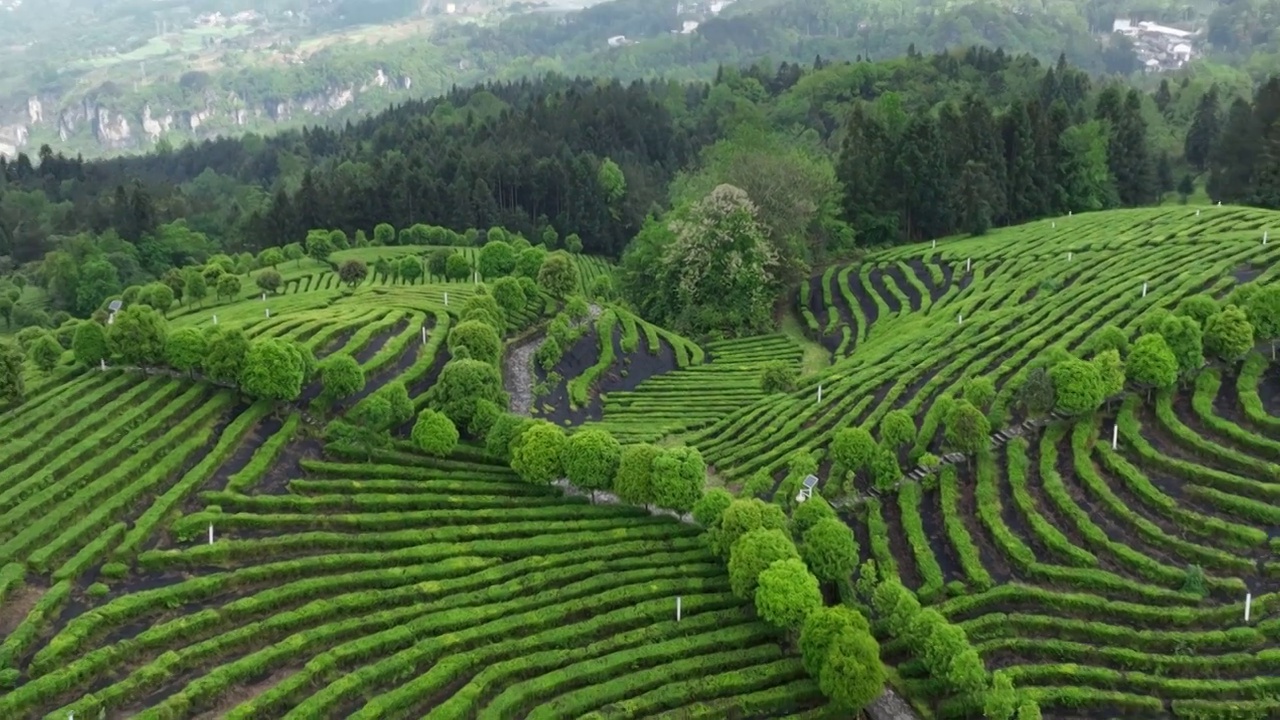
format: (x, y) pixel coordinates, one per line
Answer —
(677, 608)
(1248, 605)
(968, 264)
(268, 312)
(210, 533)
(103, 365)
(111, 319)
(935, 245)
(1070, 255)
(446, 299)
(264, 297)
(959, 318)
(1197, 213)
(1144, 289)
(215, 319)
(819, 393)
(1115, 436)
(1265, 235)
(424, 334)
(1055, 225)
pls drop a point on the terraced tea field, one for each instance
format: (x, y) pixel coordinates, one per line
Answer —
(169, 550)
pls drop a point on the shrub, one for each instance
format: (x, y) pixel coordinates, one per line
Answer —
(536, 456)
(778, 376)
(590, 459)
(434, 433)
(752, 553)
(480, 339)
(787, 594)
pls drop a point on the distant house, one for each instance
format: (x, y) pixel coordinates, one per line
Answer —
(617, 41)
(689, 26)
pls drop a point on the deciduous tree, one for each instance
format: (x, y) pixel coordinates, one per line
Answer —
(268, 280)
(634, 481)
(897, 429)
(479, 338)
(830, 550)
(434, 434)
(787, 594)
(45, 351)
(1077, 388)
(557, 275)
(1228, 334)
(778, 376)
(186, 348)
(138, 336)
(272, 370)
(462, 384)
(12, 388)
(590, 459)
(752, 553)
(536, 457)
(967, 429)
(496, 259)
(353, 272)
(90, 343)
(341, 377)
(225, 353)
(742, 517)
(678, 477)
(854, 448)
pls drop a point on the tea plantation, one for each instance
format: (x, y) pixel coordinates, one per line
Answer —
(1057, 449)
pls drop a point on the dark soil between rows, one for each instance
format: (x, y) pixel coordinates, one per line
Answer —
(913, 294)
(876, 277)
(638, 366)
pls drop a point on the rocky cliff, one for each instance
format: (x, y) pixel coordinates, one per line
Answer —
(107, 125)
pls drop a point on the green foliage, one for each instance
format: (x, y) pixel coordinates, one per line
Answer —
(1263, 311)
(44, 351)
(268, 280)
(483, 307)
(1151, 364)
(352, 272)
(830, 550)
(12, 387)
(479, 338)
(409, 268)
(590, 459)
(319, 245)
(1228, 335)
(529, 263)
(634, 482)
(885, 471)
(1198, 307)
(272, 370)
(1036, 394)
(495, 260)
(1077, 387)
(341, 377)
(897, 429)
(138, 336)
(678, 475)
(1194, 581)
(461, 385)
(510, 296)
(711, 506)
(1000, 702)
(967, 428)
(787, 594)
(438, 262)
(1110, 372)
(505, 429)
(434, 434)
(821, 629)
(557, 276)
(226, 347)
(1108, 337)
(979, 391)
(852, 675)
(1183, 337)
(752, 553)
(809, 513)
(778, 376)
(536, 456)
(758, 485)
(90, 344)
(185, 349)
(742, 517)
(228, 286)
(854, 448)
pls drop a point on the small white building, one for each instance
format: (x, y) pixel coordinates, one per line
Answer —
(617, 41)
(688, 27)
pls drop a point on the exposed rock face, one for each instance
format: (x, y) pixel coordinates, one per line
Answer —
(116, 130)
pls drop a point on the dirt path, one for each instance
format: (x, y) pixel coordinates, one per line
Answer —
(518, 369)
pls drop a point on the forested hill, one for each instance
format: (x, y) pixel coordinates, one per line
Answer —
(832, 154)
